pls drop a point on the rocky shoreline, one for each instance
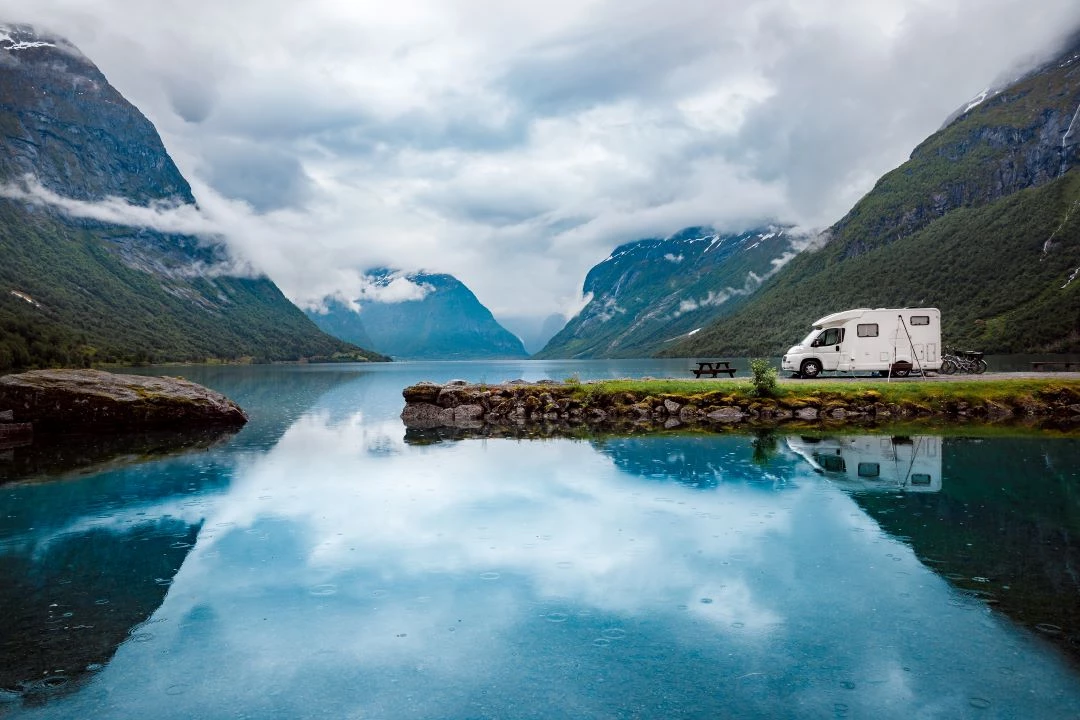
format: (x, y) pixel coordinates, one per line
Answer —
(47, 402)
(13, 433)
(458, 404)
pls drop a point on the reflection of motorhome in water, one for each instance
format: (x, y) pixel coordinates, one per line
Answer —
(873, 462)
(882, 340)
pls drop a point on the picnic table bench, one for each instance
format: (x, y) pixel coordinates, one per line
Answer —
(1055, 365)
(714, 368)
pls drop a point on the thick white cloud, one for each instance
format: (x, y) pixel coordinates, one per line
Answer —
(514, 144)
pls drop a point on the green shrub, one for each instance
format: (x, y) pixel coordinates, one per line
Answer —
(766, 447)
(764, 377)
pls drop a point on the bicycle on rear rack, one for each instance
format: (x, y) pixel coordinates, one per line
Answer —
(963, 361)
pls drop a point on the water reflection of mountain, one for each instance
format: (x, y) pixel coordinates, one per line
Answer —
(1005, 527)
(85, 560)
(700, 461)
(69, 603)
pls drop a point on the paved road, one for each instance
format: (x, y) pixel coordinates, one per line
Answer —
(943, 378)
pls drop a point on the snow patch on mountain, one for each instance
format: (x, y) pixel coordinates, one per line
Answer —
(9, 41)
(716, 298)
(977, 100)
(1068, 132)
(1075, 274)
(25, 297)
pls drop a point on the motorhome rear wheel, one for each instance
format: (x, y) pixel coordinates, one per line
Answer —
(901, 369)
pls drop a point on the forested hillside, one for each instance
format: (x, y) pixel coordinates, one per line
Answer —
(981, 222)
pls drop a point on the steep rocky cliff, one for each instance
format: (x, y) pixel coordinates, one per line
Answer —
(77, 290)
(650, 293)
(981, 222)
(63, 123)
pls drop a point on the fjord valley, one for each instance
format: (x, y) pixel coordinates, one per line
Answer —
(254, 520)
(980, 221)
(81, 285)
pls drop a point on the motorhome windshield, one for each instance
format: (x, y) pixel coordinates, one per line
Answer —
(810, 338)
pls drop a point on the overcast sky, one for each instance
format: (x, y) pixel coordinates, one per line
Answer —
(514, 144)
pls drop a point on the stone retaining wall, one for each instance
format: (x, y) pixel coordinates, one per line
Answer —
(459, 404)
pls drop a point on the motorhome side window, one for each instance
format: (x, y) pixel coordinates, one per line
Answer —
(869, 469)
(867, 330)
(920, 319)
(832, 336)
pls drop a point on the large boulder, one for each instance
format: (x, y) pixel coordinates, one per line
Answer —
(426, 415)
(424, 392)
(61, 401)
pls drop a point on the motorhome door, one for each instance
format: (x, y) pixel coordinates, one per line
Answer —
(827, 344)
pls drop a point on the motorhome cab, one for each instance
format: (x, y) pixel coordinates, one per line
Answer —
(896, 340)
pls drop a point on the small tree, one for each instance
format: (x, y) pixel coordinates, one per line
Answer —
(764, 377)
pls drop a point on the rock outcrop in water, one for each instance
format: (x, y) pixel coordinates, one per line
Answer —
(62, 401)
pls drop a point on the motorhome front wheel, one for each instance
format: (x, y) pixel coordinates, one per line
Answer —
(810, 368)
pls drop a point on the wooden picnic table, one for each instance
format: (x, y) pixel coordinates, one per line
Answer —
(1055, 365)
(714, 368)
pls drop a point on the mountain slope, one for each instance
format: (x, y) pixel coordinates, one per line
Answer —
(981, 222)
(448, 323)
(649, 292)
(77, 291)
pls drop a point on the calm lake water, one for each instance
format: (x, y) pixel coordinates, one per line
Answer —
(320, 564)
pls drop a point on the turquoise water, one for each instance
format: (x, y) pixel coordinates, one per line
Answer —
(318, 565)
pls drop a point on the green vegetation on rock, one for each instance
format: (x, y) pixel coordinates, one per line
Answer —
(932, 394)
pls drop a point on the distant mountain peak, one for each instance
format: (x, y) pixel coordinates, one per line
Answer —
(72, 131)
(693, 237)
(444, 320)
(25, 37)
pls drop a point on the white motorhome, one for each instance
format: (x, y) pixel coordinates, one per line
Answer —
(883, 340)
(873, 462)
